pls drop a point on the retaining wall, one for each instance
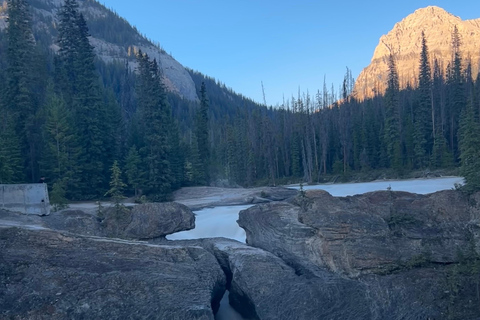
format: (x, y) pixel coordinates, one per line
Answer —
(25, 198)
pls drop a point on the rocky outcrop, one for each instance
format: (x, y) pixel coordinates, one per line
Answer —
(147, 221)
(406, 249)
(74, 221)
(404, 41)
(262, 286)
(45, 274)
(141, 222)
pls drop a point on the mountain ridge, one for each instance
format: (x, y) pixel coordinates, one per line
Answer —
(175, 76)
(404, 41)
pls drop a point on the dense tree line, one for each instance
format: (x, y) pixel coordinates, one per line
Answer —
(71, 117)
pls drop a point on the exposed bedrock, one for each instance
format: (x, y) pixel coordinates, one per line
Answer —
(409, 252)
(263, 287)
(45, 274)
(141, 222)
(148, 221)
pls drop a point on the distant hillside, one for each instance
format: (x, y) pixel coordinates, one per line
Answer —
(113, 38)
(404, 41)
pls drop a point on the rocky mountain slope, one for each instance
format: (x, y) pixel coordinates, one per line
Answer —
(112, 37)
(404, 41)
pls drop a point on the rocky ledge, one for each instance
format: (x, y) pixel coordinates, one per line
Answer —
(409, 256)
(46, 274)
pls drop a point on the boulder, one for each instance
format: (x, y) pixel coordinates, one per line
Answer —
(371, 233)
(148, 221)
(45, 274)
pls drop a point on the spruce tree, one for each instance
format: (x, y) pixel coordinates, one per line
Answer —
(469, 136)
(156, 121)
(21, 108)
(423, 132)
(201, 133)
(135, 176)
(83, 95)
(116, 185)
(61, 149)
(392, 118)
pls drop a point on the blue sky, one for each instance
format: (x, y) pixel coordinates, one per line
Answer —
(285, 44)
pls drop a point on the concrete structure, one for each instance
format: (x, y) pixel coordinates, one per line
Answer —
(25, 198)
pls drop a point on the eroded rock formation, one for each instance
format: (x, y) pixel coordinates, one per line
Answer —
(46, 274)
(405, 249)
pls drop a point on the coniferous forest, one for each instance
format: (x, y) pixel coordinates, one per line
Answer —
(70, 117)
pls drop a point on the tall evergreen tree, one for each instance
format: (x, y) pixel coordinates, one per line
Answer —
(456, 93)
(469, 136)
(22, 108)
(83, 94)
(201, 133)
(392, 117)
(156, 121)
(423, 131)
(61, 150)
(135, 176)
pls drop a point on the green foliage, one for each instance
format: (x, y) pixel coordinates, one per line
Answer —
(201, 133)
(135, 176)
(58, 195)
(469, 148)
(73, 130)
(116, 185)
(392, 117)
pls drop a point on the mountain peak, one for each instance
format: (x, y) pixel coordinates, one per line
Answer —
(404, 41)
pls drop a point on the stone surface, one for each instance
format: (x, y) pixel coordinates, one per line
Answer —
(404, 41)
(45, 274)
(263, 287)
(148, 221)
(370, 233)
(407, 250)
(74, 221)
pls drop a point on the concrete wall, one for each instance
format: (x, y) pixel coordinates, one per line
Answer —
(25, 198)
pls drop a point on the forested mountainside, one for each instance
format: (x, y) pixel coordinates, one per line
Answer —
(79, 116)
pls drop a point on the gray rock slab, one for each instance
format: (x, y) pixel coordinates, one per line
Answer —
(148, 221)
(45, 274)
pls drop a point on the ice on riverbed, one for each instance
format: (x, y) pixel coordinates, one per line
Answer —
(420, 186)
(222, 221)
(214, 222)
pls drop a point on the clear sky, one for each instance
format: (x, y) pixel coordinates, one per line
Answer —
(286, 44)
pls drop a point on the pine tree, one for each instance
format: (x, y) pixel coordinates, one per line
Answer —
(156, 121)
(61, 149)
(135, 176)
(456, 93)
(392, 118)
(423, 133)
(116, 185)
(22, 109)
(201, 133)
(469, 134)
(11, 163)
(83, 93)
